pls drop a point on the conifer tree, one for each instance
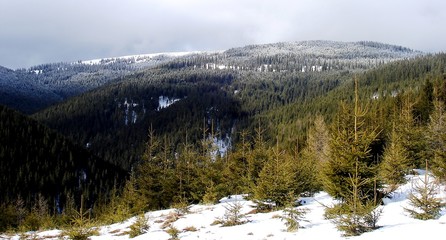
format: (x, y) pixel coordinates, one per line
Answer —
(148, 173)
(276, 179)
(210, 167)
(234, 173)
(395, 162)
(190, 189)
(436, 137)
(349, 146)
(425, 204)
(132, 200)
(256, 158)
(411, 134)
(349, 173)
(313, 156)
(424, 105)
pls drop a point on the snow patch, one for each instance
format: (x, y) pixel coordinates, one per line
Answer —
(222, 146)
(138, 58)
(164, 102)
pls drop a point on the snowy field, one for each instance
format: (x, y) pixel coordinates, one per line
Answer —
(394, 223)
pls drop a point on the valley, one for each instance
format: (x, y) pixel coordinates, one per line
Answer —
(152, 131)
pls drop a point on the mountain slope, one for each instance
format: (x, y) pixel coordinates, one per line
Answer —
(306, 56)
(221, 92)
(30, 90)
(36, 160)
(21, 92)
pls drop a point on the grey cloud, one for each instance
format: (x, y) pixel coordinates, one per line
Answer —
(34, 32)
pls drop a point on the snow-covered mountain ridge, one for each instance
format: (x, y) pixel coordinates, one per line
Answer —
(50, 83)
(140, 58)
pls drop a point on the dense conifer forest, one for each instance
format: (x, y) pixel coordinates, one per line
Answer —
(40, 166)
(352, 129)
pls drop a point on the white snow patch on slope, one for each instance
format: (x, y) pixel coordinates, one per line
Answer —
(164, 102)
(140, 57)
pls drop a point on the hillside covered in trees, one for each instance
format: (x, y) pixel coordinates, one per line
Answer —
(274, 122)
(42, 169)
(223, 92)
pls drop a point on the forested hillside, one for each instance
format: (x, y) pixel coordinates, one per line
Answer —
(273, 121)
(33, 89)
(39, 166)
(222, 92)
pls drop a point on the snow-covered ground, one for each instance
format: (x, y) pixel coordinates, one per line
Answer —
(394, 223)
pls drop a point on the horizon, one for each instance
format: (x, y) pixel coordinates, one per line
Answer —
(39, 32)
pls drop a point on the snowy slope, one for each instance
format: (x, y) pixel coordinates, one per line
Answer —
(140, 58)
(394, 222)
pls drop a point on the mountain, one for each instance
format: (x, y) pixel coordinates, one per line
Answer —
(306, 56)
(36, 160)
(199, 127)
(20, 91)
(219, 93)
(33, 89)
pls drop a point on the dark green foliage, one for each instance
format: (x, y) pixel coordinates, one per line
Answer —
(179, 165)
(424, 104)
(119, 115)
(285, 100)
(36, 163)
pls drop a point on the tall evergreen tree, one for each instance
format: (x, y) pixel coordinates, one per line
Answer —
(411, 133)
(314, 155)
(276, 180)
(349, 146)
(149, 172)
(436, 138)
(424, 104)
(256, 159)
(350, 174)
(395, 162)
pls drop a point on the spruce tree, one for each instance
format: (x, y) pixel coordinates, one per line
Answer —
(425, 204)
(424, 104)
(276, 180)
(149, 172)
(316, 153)
(395, 163)
(256, 159)
(436, 138)
(349, 145)
(132, 201)
(411, 134)
(349, 174)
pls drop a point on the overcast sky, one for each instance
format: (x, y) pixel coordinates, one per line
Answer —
(41, 31)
